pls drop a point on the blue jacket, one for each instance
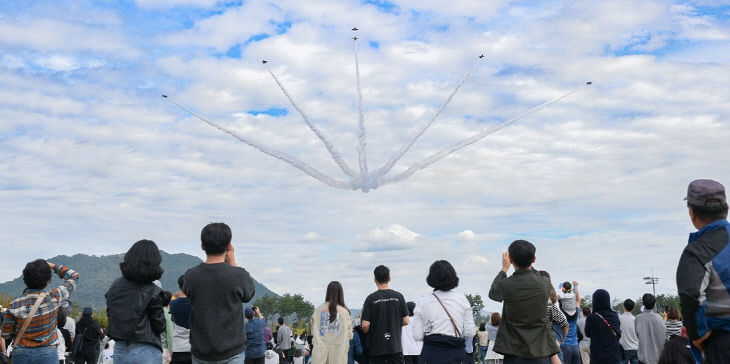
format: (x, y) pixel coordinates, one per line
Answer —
(703, 280)
(255, 346)
(355, 348)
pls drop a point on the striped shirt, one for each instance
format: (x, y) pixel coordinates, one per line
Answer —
(674, 327)
(555, 315)
(42, 328)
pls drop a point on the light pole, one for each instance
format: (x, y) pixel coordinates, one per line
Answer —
(652, 280)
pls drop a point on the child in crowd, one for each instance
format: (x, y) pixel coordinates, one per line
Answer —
(567, 300)
(271, 357)
(298, 357)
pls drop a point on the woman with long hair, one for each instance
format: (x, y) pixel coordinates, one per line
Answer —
(443, 318)
(483, 342)
(134, 307)
(331, 328)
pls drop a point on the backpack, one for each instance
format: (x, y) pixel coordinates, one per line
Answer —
(78, 345)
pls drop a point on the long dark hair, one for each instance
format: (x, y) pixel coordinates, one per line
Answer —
(142, 262)
(335, 296)
(676, 351)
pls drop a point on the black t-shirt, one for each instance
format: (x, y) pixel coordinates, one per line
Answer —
(385, 310)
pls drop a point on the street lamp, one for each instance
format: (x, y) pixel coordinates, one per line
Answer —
(653, 281)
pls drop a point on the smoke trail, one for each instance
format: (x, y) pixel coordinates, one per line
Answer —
(362, 137)
(330, 148)
(272, 152)
(468, 141)
(397, 156)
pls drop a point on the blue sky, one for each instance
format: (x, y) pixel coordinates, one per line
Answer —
(94, 159)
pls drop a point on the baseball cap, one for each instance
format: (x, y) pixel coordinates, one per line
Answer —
(705, 192)
(248, 312)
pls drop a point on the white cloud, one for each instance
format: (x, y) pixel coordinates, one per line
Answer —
(393, 237)
(312, 236)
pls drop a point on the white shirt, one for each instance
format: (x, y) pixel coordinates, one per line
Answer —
(430, 318)
(71, 327)
(271, 357)
(61, 348)
(410, 345)
(106, 355)
(628, 340)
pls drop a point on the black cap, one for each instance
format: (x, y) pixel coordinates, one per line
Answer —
(705, 193)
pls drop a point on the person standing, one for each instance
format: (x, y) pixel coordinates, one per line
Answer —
(650, 330)
(216, 289)
(180, 310)
(524, 335)
(604, 328)
(584, 345)
(483, 336)
(134, 307)
(673, 323)
(629, 342)
(91, 331)
(492, 328)
(411, 347)
(40, 346)
(167, 337)
(443, 319)
(283, 337)
(703, 272)
(383, 314)
(332, 328)
(255, 346)
(569, 302)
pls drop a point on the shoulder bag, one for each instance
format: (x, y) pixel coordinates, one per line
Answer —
(453, 323)
(613, 331)
(26, 323)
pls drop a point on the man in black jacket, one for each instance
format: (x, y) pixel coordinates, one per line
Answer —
(703, 273)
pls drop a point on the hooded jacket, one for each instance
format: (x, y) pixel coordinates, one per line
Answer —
(605, 347)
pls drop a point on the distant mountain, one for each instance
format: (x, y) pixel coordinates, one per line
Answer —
(98, 273)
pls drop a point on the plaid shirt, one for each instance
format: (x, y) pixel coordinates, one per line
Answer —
(42, 328)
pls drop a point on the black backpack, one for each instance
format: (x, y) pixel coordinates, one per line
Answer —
(78, 345)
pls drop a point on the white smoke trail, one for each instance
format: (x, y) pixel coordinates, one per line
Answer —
(397, 156)
(468, 141)
(362, 136)
(330, 148)
(272, 152)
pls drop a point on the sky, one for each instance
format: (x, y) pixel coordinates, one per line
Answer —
(93, 159)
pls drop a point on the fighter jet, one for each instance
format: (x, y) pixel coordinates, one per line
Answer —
(165, 96)
(263, 61)
(354, 29)
(355, 38)
(589, 83)
(482, 56)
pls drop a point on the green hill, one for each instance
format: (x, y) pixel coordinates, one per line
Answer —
(98, 273)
